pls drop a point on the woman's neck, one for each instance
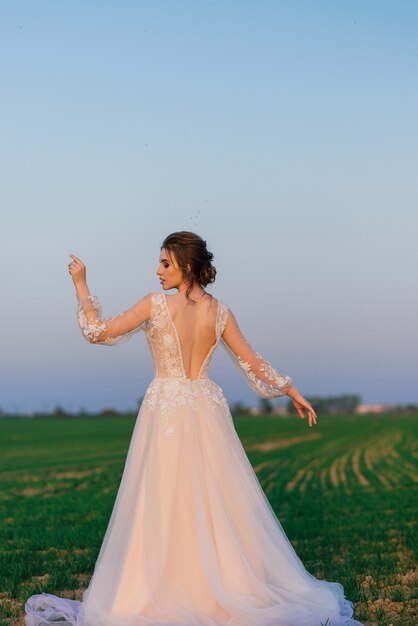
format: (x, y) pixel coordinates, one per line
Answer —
(196, 293)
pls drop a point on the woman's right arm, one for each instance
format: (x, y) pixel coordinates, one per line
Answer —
(96, 328)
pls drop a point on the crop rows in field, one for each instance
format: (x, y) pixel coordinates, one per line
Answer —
(380, 462)
(348, 492)
(344, 491)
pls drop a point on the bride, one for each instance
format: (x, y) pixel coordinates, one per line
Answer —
(192, 539)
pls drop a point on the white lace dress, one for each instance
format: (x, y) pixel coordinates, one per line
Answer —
(192, 539)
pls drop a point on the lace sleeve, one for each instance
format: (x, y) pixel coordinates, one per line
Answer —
(113, 330)
(258, 373)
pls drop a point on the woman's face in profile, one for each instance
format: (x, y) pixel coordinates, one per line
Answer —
(168, 271)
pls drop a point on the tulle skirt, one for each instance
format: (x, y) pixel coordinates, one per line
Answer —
(192, 539)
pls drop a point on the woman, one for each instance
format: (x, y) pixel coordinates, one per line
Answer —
(192, 539)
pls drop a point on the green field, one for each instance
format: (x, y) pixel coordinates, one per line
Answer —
(345, 492)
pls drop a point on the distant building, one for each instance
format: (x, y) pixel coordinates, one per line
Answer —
(362, 409)
(279, 409)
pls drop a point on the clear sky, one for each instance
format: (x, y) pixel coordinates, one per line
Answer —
(284, 133)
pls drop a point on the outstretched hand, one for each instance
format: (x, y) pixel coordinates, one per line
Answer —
(301, 405)
(77, 270)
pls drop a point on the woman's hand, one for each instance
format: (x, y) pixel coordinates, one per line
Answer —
(301, 405)
(77, 270)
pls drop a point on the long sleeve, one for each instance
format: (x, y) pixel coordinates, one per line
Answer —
(258, 373)
(113, 330)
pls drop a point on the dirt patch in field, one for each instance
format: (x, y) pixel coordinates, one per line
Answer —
(368, 459)
(30, 478)
(81, 550)
(343, 475)
(58, 483)
(292, 483)
(396, 603)
(60, 553)
(277, 444)
(257, 468)
(303, 485)
(333, 473)
(410, 579)
(384, 608)
(356, 468)
(76, 473)
(30, 492)
(11, 610)
(39, 579)
(383, 480)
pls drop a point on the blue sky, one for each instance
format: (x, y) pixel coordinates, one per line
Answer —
(284, 133)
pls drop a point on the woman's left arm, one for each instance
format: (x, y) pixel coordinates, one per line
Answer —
(260, 374)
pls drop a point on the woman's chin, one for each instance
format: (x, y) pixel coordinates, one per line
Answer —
(167, 287)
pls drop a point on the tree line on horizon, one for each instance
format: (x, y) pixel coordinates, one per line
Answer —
(345, 404)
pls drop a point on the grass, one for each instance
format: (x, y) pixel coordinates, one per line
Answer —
(344, 491)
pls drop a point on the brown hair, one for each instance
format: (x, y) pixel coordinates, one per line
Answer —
(190, 250)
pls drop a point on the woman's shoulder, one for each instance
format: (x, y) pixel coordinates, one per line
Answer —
(222, 312)
(150, 301)
(155, 297)
(216, 304)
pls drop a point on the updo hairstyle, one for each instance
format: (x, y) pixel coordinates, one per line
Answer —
(192, 257)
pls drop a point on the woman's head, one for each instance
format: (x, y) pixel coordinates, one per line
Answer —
(185, 259)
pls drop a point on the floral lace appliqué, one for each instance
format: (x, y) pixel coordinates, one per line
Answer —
(91, 331)
(163, 340)
(271, 385)
(169, 394)
(215, 395)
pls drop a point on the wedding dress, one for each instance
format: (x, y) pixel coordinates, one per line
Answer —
(192, 539)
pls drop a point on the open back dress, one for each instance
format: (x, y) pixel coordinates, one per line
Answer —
(192, 539)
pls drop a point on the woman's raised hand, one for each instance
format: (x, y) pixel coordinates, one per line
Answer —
(77, 270)
(301, 405)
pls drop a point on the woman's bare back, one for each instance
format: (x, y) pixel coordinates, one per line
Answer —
(196, 329)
